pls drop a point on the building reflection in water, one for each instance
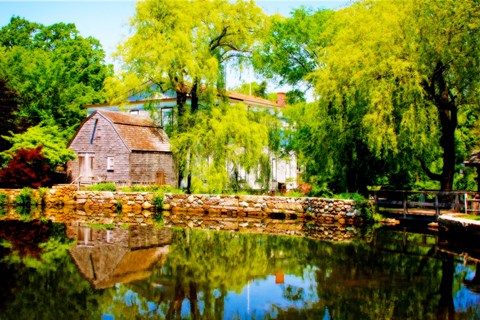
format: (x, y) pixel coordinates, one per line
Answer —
(106, 257)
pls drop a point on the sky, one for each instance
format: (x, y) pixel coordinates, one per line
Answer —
(107, 20)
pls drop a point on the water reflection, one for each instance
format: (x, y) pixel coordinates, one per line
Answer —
(106, 257)
(145, 272)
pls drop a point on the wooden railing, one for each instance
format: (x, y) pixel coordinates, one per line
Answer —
(426, 202)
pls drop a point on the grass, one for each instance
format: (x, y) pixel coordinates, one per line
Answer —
(104, 226)
(102, 187)
(153, 188)
(472, 217)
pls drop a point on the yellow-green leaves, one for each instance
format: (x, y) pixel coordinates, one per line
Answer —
(392, 81)
(225, 139)
(188, 40)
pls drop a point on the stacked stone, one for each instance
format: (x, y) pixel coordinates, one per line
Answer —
(285, 208)
(129, 201)
(61, 195)
(263, 214)
(331, 210)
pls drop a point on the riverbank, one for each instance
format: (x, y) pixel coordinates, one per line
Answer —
(456, 224)
(315, 217)
(324, 218)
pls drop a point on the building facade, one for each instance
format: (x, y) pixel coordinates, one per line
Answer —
(121, 148)
(283, 169)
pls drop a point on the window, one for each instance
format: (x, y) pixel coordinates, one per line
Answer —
(93, 131)
(110, 162)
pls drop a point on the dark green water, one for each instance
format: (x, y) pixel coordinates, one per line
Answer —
(54, 271)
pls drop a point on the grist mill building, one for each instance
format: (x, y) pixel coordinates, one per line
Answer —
(122, 148)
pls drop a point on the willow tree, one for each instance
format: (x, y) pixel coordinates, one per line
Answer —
(288, 51)
(227, 142)
(401, 76)
(185, 45)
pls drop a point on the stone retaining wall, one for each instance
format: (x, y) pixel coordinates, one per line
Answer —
(313, 217)
(284, 208)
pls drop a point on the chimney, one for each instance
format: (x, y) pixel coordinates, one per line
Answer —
(281, 99)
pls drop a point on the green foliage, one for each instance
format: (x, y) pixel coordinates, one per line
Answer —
(399, 96)
(25, 199)
(158, 200)
(350, 196)
(153, 188)
(471, 217)
(175, 42)
(184, 46)
(102, 226)
(287, 51)
(223, 140)
(3, 199)
(367, 210)
(54, 72)
(118, 206)
(9, 103)
(253, 88)
(103, 187)
(52, 140)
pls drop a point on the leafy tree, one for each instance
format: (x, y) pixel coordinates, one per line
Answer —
(37, 267)
(53, 71)
(287, 53)
(295, 96)
(51, 139)
(27, 168)
(253, 88)
(225, 140)
(184, 46)
(8, 105)
(394, 81)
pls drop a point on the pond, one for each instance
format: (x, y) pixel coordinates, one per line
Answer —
(70, 271)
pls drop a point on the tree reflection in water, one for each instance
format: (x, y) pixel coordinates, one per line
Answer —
(144, 272)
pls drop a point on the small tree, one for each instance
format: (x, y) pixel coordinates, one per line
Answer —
(27, 168)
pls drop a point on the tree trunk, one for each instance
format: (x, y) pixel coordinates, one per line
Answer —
(440, 95)
(446, 307)
(194, 94)
(447, 142)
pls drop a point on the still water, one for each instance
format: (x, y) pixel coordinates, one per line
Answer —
(68, 271)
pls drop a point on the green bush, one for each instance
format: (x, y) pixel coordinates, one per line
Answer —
(153, 188)
(42, 192)
(103, 187)
(367, 210)
(119, 206)
(3, 199)
(158, 200)
(25, 198)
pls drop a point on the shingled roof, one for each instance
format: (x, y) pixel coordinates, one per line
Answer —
(138, 133)
(249, 99)
(474, 159)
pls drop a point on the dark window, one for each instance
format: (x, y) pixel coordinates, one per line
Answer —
(93, 131)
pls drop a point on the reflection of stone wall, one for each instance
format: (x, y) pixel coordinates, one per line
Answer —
(262, 214)
(64, 203)
(321, 218)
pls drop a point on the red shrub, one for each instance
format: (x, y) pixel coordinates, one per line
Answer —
(28, 168)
